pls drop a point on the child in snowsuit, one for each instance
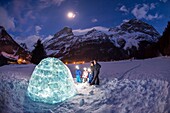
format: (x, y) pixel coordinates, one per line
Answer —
(85, 75)
(91, 72)
(78, 74)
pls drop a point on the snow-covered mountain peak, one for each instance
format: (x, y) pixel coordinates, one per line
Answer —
(24, 45)
(4, 36)
(91, 31)
(9, 46)
(66, 31)
(1, 28)
(95, 33)
(133, 32)
(134, 21)
(135, 25)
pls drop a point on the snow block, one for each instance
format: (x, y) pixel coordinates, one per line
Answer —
(51, 82)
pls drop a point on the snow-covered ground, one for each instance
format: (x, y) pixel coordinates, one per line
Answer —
(130, 86)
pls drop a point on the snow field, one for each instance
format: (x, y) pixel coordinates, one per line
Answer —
(137, 86)
(112, 96)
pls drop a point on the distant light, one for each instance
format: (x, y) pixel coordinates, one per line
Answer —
(71, 15)
(21, 61)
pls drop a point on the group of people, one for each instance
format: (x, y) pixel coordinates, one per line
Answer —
(90, 75)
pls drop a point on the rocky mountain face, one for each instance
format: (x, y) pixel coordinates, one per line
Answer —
(24, 46)
(8, 46)
(133, 38)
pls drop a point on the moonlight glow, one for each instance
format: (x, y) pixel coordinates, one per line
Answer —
(71, 15)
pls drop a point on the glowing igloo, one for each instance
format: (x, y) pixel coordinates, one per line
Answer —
(51, 82)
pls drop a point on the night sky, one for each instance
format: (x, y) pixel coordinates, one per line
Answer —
(28, 20)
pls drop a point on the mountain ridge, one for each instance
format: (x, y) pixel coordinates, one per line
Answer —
(126, 39)
(8, 46)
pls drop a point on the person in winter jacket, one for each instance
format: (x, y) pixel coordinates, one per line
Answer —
(78, 74)
(97, 67)
(91, 72)
(85, 75)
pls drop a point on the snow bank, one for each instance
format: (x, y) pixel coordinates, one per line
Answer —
(12, 94)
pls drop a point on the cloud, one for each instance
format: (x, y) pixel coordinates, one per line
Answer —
(58, 2)
(141, 12)
(6, 20)
(163, 1)
(24, 11)
(37, 29)
(30, 15)
(18, 6)
(29, 41)
(47, 3)
(94, 20)
(123, 9)
(84, 31)
(152, 6)
(156, 16)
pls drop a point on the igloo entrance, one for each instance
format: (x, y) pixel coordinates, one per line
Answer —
(51, 82)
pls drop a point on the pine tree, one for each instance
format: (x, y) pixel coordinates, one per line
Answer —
(38, 53)
(164, 42)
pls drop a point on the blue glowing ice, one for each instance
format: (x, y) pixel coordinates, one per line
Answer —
(51, 82)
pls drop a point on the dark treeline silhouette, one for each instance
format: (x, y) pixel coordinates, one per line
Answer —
(3, 60)
(38, 53)
(164, 42)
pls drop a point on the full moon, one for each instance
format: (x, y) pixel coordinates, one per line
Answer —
(71, 15)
